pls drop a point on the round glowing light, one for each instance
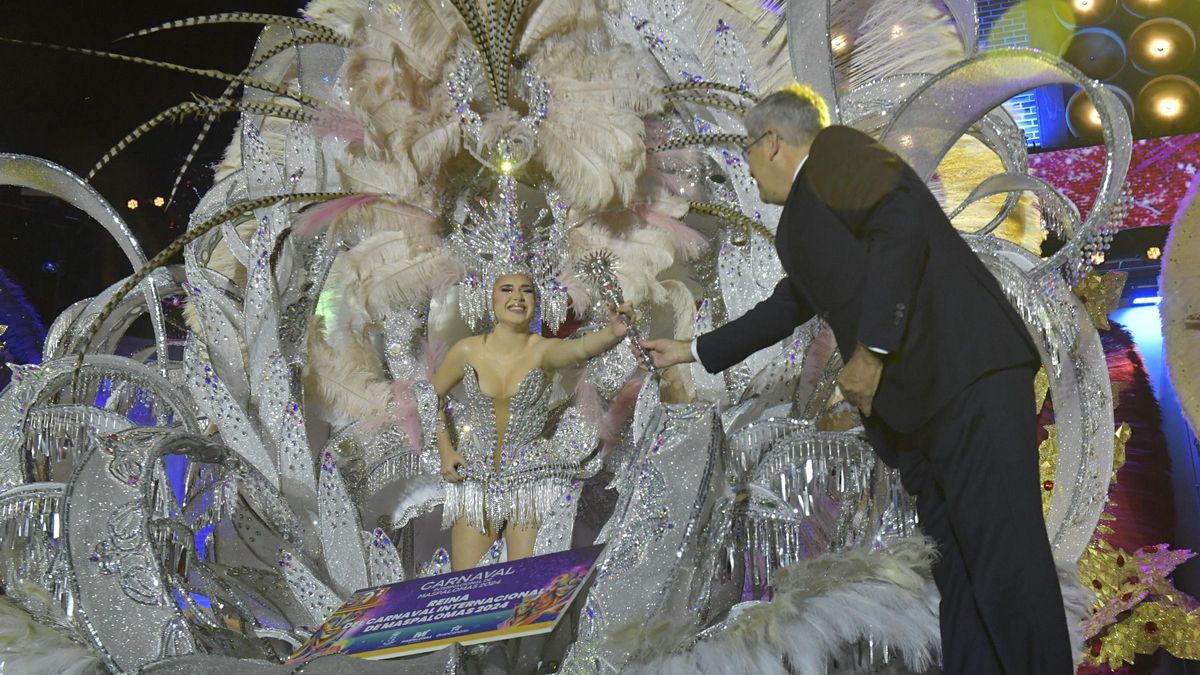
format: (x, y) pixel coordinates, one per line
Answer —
(1152, 8)
(897, 30)
(1154, 253)
(159, 202)
(1163, 45)
(132, 203)
(506, 166)
(839, 43)
(1169, 107)
(1074, 14)
(1098, 259)
(1084, 120)
(1100, 53)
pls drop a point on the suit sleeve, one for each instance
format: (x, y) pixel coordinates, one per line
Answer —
(897, 246)
(765, 324)
(874, 194)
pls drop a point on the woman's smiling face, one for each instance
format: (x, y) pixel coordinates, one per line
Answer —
(513, 298)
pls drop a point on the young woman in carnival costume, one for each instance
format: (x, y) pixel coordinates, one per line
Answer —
(501, 475)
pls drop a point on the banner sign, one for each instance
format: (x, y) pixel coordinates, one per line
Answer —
(511, 599)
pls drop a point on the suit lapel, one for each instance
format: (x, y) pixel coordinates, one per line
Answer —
(820, 255)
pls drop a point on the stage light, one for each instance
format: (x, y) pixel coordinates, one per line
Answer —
(897, 31)
(1168, 104)
(1154, 253)
(1098, 52)
(1146, 300)
(1148, 8)
(132, 203)
(1082, 117)
(1162, 46)
(159, 202)
(1081, 13)
(839, 43)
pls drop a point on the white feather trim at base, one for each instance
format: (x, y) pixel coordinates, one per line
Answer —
(30, 648)
(840, 613)
(824, 610)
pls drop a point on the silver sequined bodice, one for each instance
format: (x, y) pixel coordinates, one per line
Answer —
(528, 411)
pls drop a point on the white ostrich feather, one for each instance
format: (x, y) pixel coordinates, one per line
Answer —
(385, 215)
(340, 15)
(407, 283)
(391, 177)
(30, 648)
(592, 141)
(822, 608)
(382, 274)
(899, 36)
(396, 73)
(348, 380)
(437, 141)
(683, 308)
(552, 21)
(753, 24)
(584, 175)
(231, 162)
(411, 39)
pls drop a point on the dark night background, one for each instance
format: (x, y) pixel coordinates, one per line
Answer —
(71, 109)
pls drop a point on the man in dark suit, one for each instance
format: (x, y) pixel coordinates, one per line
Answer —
(937, 361)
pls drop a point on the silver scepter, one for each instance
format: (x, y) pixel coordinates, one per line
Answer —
(599, 269)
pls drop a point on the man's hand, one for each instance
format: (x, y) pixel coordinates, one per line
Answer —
(860, 378)
(665, 353)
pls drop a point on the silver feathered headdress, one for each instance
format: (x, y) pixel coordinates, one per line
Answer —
(491, 241)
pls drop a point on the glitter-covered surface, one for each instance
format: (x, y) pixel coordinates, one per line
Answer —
(236, 487)
(654, 543)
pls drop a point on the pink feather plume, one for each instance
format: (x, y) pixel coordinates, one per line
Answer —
(316, 218)
(433, 353)
(405, 414)
(338, 123)
(613, 419)
(690, 242)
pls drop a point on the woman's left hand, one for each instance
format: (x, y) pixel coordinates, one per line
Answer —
(618, 326)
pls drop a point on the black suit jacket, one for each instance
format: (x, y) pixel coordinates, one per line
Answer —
(867, 246)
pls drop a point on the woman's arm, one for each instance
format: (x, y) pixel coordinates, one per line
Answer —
(567, 353)
(449, 374)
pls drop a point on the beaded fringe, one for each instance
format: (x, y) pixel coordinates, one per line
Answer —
(521, 500)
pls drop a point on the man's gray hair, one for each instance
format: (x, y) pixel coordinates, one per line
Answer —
(796, 114)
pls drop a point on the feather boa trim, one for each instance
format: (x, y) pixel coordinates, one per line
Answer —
(31, 648)
(822, 610)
